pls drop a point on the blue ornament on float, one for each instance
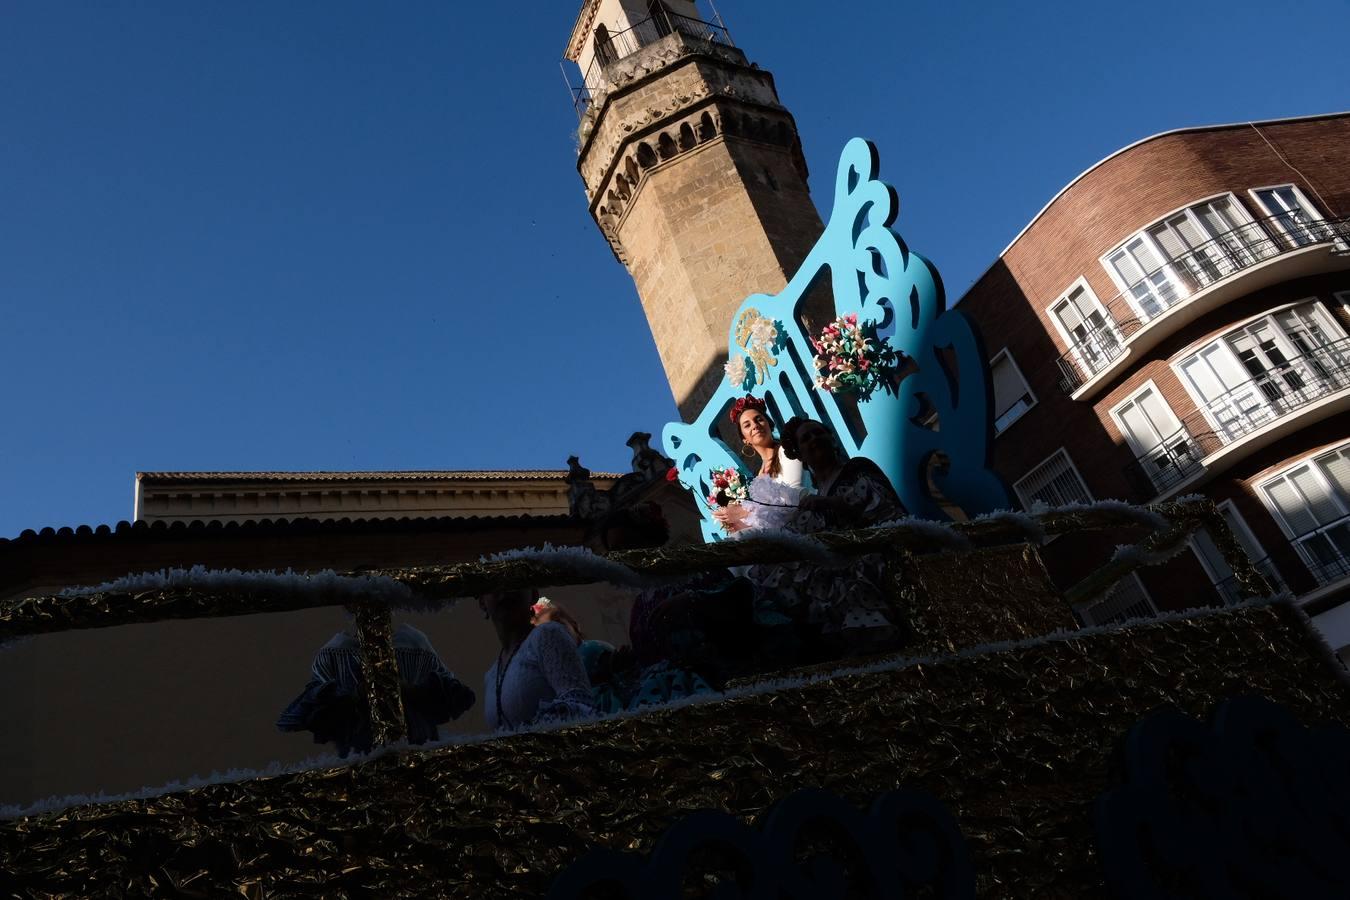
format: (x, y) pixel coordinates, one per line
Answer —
(915, 370)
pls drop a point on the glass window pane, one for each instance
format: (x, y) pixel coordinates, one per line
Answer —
(1290, 505)
(1320, 504)
(1336, 466)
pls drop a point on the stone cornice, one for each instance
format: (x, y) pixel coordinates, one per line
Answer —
(582, 28)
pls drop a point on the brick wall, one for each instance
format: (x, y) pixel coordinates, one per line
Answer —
(1067, 241)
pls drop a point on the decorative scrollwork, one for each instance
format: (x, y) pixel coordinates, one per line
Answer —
(1251, 805)
(873, 274)
(813, 846)
(759, 336)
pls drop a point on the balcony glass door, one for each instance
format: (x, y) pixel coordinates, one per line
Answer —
(1194, 254)
(1230, 399)
(1292, 216)
(1148, 283)
(1313, 500)
(1093, 335)
(1212, 561)
(1156, 438)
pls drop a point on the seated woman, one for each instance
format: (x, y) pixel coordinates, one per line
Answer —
(846, 608)
(776, 489)
(333, 704)
(538, 674)
(595, 655)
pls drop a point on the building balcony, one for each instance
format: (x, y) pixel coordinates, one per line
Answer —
(1252, 415)
(663, 25)
(1258, 255)
(1231, 592)
(1326, 551)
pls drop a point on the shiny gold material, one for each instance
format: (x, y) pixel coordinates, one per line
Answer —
(1018, 744)
(379, 670)
(437, 584)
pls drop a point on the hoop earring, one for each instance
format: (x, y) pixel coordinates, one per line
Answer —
(747, 451)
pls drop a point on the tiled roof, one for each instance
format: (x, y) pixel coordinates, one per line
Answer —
(446, 475)
(198, 529)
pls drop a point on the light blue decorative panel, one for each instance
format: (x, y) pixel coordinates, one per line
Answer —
(872, 273)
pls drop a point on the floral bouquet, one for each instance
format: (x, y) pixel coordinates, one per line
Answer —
(851, 359)
(728, 489)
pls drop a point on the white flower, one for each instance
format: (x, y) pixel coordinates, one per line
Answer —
(735, 369)
(763, 334)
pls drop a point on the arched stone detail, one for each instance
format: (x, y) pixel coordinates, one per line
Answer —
(630, 170)
(707, 128)
(687, 139)
(665, 145)
(646, 156)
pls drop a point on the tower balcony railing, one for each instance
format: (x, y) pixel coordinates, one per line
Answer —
(1244, 410)
(1178, 280)
(659, 26)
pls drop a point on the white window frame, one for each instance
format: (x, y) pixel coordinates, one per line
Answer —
(1083, 610)
(1325, 318)
(1063, 297)
(1134, 397)
(1072, 468)
(1284, 471)
(1343, 298)
(1241, 523)
(1030, 393)
(1123, 289)
(1298, 192)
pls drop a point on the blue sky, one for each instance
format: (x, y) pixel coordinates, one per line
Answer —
(345, 235)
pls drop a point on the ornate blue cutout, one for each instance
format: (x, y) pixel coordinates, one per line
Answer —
(905, 841)
(874, 274)
(1250, 805)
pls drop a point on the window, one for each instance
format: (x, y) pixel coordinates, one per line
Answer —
(1012, 397)
(1054, 482)
(1091, 333)
(1266, 369)
(1291, 213)
(1312, 503)
(1128, 599)
(1216, 567)
(1185, 252)
(1165, 451)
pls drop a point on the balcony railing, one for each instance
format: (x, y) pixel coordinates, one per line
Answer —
(1326, 551)
(659, 26)
(1247, 408)
(1125, 601)
(1231, 591)
(1179, 279)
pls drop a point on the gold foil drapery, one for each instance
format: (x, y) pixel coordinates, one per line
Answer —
(438, 584)
(379, 671)
(1017, 744)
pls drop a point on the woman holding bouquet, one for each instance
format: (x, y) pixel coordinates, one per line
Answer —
(778, 486)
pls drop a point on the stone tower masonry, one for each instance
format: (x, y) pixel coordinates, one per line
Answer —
(694, 173)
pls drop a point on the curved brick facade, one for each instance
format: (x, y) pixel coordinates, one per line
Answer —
(1297, 256)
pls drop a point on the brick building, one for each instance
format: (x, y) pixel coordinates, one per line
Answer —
(1175, 321)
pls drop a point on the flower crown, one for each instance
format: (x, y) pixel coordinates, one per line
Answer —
(747, 402)
(542, 604)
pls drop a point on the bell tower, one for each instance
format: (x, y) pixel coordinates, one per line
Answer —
(694, 174)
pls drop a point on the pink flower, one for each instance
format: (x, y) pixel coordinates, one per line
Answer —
(851, 318)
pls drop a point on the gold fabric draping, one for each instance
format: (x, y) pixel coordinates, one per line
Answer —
(1017, 744)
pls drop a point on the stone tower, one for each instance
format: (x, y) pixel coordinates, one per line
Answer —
(694, 173)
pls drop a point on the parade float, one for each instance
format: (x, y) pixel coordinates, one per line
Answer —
(1003, 752)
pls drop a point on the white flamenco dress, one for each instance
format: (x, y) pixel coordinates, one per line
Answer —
(772, 501)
